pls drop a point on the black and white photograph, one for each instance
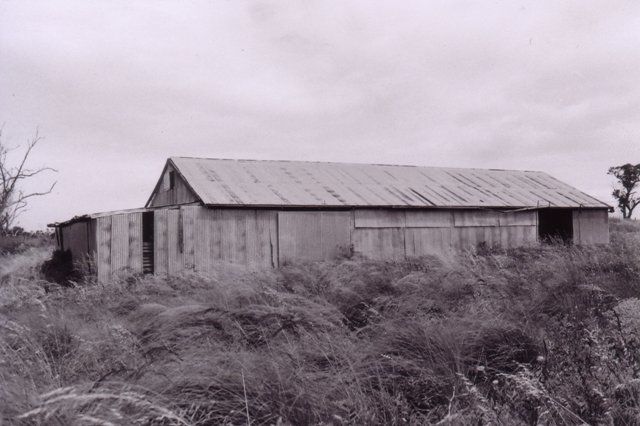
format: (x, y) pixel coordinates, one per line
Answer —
(319, 212)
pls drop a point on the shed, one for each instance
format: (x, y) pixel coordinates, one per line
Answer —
(267, 213)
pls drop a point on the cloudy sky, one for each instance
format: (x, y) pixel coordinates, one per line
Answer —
(116, 87)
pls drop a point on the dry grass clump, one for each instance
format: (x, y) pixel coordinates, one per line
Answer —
(539, 335)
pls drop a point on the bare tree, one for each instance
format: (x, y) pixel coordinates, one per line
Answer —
(13, 200)
(628, 176)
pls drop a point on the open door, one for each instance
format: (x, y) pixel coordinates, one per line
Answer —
(555, 225)
(147, 243)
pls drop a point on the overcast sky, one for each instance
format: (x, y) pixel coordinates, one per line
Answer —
(116, 87)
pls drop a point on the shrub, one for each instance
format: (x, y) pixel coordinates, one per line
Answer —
(537, 335)
(60, 268)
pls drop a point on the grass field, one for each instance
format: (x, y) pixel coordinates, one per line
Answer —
(542, 335)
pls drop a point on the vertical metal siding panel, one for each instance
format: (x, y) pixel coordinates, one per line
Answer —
(577, 238)
(273, 238)
(239, 253)
(591, 227)
(456, 238)
(216, 243)
(530, 235)
(335, 236)
(380, 218)
(523, 218)
(160, 242)
(258, 247)
(255, 238)
(514, 236)
(119, 243)
(313, 236)
(492, 236)
(214, 238)
(604, 231)
(468, 237)
(93, 246)
(174, 254)
(76, 240)
(103, 240)
(202, 250)
(135, 242)
(504, 237)
(429, 218)
(299, 236)
(93, 238)
(474, 218)
(188, 226)
(518, 236)
(379, 243)
(427, 241)
(232, 231)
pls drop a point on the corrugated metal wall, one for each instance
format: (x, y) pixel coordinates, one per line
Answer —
(118, 244)
(76, 238)
(386, 234)
(197, 238)
(312, 236)
(590, 227)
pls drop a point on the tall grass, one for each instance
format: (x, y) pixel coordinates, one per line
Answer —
(541, 335)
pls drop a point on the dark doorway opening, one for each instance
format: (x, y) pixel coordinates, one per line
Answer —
(555, 225)
(147, 242)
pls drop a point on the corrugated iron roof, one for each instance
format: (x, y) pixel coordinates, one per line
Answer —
(223, 182)
(90, 216)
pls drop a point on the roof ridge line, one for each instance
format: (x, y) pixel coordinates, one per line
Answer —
(351, 163)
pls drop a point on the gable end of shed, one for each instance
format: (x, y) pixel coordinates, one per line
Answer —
(172, 189)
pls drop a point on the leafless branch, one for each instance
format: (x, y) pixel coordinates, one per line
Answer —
(13, 201)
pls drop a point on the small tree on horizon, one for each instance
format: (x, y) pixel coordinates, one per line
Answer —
(13, 200)
(628, 176)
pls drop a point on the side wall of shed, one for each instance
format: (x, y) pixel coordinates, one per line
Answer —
(397, 234)
(197, 238)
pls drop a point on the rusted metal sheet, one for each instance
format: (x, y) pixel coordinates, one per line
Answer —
(135, 242)
(204, 219)
(467, 237)
(246, 237)
(103, 242)
(464, 238)
(590, 227)
(462, 218)
(313, 236)
(160, 244)
(427, 241)
(429, 218)
(174, 241)
(93, 238)
(379, 218)
(522, 218)
(75, 238)
(189, 233)
(219, 182)
(518, 235)
(379, 243)
(119, 243)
